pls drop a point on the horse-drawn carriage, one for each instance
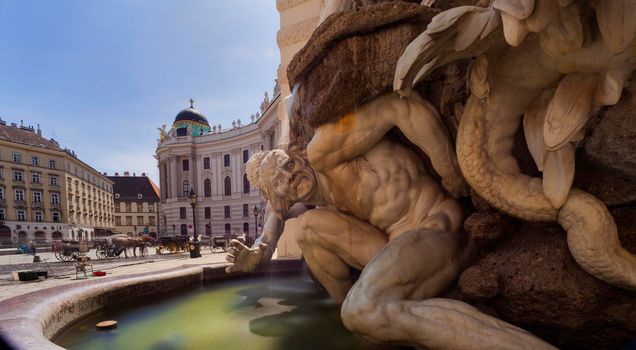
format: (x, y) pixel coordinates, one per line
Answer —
(172, 244)
(219, 244)
(67, 250)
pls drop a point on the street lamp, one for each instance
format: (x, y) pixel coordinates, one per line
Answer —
(195, 247)
(255, 222)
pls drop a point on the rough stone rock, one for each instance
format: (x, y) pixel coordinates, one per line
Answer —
(542, 289)
(350, 59)
(485, 228)
(476, 283)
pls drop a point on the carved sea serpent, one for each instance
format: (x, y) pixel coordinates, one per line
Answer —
(507, 82)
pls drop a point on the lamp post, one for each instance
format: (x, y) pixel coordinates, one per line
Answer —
(255, 222)
(195, 247)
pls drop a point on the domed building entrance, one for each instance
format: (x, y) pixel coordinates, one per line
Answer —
(5, 235)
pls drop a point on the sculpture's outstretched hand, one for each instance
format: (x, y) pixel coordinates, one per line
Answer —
(243, 258)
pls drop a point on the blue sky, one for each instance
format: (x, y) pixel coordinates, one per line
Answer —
(100, 76)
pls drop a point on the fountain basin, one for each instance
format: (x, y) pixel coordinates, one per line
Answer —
(29, 321)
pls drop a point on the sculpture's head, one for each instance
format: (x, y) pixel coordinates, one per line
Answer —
(283, 176)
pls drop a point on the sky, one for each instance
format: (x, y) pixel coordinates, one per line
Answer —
(101, 76)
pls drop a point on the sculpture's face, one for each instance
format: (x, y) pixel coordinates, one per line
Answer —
(292, 180)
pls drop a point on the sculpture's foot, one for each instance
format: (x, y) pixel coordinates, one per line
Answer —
(386, 304)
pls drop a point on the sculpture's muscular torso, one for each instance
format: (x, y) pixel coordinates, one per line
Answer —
(379, 211)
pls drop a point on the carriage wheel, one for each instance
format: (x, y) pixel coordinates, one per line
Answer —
(100, 254)
(58, 255)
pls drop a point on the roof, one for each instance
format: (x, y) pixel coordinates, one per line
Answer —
(193, 115)
(26, 136)
(129, 187)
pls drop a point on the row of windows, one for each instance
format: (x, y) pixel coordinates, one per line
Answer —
(138, 208)
(185, 164)
(36, 195)
(37, 215)
(35, 160)
(35, 177)
(140, 221)
(207, 187)
(208, 215)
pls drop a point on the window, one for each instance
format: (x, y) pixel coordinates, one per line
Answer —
(116, 195)
(246, 184)
(2, 216)
(35, 160)
(19, 195)
(226, 211)
(207, 188)
(246, 210)
(246, 155)
(56, 217)
(140, 196)
(17, 176)
(21, 215)
(184, 229)
(129, 221)
(246, 227)
(117, 220)
(17, 157)
(151, 221)
(207, 213)
(182, 213)
(128, 208)
(140, 220)
(228, 186)
(226, 160)
(228, 229)
(117, 207)
(53, 180)
(37, 197)
(38, 216)
(35, 178)
(186, 188)
(206, 163)
(55, 198)
(150, 208)
(186, 164)
(1, 173)
(1, 192)
(52, 164)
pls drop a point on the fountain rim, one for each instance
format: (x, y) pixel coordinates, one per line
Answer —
(31, 320)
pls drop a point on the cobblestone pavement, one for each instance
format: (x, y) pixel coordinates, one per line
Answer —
(64, 273)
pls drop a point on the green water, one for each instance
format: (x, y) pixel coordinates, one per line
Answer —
(266, 313)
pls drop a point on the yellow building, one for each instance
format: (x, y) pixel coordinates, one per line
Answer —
(136, 204)
(46, 192)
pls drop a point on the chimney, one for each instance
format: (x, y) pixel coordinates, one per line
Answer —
(105, 173)
(143, 174)
(126, 173)
(39, 131)
(116, 174)
(134, 174)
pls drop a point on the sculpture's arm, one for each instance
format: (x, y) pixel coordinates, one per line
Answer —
(245, 259)
(355, 133)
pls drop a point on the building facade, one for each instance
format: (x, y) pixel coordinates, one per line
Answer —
(136, 204)
(46, 192)
(210, 162)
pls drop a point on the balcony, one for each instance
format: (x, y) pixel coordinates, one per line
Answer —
(18, 182)
(55, 206)
(36, 184)
(37, 205)
(20, 204)
(54, 187)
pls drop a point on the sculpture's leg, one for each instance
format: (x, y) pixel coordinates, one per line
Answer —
(332, 242)
(386, 304)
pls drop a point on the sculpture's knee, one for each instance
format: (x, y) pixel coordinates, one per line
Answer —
(362, 314)
(305, 236)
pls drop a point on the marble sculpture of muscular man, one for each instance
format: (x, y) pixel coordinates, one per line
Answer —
(378, 210)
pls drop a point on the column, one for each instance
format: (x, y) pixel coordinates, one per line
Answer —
(174, 189)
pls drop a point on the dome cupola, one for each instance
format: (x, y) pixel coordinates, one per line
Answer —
(191, 122)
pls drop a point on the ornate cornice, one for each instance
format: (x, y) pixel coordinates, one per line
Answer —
(283, 5)
(296, 32)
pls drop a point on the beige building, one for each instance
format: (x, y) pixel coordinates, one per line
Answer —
(46, 192)
(136, 204)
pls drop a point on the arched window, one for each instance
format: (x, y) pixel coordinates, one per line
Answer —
(228, 229)
(228, 186)
(207, 188)
(186, 188)
(246, 228)
(246, 184)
